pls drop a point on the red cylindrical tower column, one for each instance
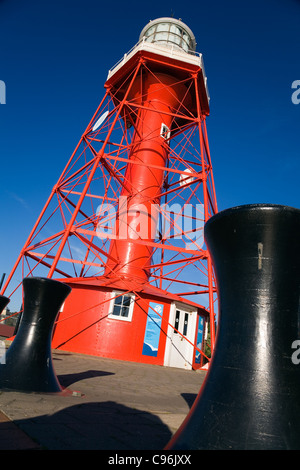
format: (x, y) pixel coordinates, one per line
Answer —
(159, 99)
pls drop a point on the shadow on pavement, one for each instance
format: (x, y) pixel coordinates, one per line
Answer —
(97, 426)
(189, 398)
(66, 380)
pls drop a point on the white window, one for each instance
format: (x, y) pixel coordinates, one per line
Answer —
(165, 132)
(121, 306)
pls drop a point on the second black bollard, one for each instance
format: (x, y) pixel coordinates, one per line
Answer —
(27, 364)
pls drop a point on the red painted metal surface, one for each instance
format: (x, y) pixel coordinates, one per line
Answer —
(93, 332)
(84, 325)
(145, 146)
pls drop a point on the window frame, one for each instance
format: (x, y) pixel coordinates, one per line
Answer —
(117, 294)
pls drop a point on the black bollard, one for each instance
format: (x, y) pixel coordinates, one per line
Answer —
(3, 302)
(250, 398)
(27, 364)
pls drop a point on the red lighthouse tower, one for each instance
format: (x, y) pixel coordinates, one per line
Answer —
(123, 226)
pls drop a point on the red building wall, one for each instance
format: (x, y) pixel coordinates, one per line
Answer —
(84, 327)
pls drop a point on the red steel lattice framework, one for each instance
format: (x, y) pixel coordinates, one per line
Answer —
(138, 187)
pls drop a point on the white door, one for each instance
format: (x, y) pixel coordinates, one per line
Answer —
(179, 348)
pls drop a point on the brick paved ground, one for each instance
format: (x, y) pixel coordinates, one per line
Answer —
(108, 405)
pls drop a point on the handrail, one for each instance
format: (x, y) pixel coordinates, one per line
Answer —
(171, 51)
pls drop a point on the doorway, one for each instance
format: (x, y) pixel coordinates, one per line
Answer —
(180, 339)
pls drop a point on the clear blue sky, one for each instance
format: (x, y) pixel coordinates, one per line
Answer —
(55, 56)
